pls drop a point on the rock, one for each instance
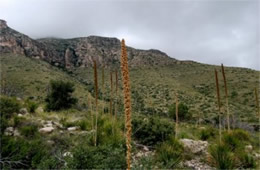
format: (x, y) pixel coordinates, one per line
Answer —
(257, 156)
(146, 148)
(72, 128)
(18, 98)
(40, 110)
(248, 148)
(50, 142)
(46, 130)
(58, 125)
(139, 154)
(23, 111)
(69, 154)
(9, 131)
(20, 115)
(194, 146)
(16, 133)
(196, 164)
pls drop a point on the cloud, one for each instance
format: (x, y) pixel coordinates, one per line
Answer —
(206, 31)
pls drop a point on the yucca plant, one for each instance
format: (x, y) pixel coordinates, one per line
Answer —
(96, 97)
(177, 117)
(127, 102)
(226, 95)
(219, 105)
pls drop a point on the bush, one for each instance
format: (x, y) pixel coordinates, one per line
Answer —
(231, 141)
(29, 131)
(221, 157)
(151, 130)
(21, 153)
(169, 153)
(246, 161)
(32, 106)
(99, 157)
(205, 134)
(60, 96)
(8, 106)
(183, 112)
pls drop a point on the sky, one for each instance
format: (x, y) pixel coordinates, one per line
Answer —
(206, 31)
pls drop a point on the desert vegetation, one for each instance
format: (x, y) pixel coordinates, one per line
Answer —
(91, 118)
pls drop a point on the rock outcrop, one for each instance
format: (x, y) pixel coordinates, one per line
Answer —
(77, 52)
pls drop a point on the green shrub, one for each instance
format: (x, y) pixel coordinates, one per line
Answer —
(26, 154)
(183, 112)
(29, 131)
(109, 131)
(17, 121)
(169, 153)
(232, 142)
(8, 106)
(32, 106)
(205, 134)
(221, 157)
(151, 130)
(60, 96)
(246, 161)
(241, 135)
(99, 157)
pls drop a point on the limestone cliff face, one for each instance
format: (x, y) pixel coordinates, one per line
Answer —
(77, 52)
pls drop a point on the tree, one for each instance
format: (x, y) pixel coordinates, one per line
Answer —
(60, 95)
(183, 111)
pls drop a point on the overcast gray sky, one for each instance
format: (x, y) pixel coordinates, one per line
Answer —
(207, 31)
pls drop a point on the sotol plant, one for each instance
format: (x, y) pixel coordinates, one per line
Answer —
(127, 101)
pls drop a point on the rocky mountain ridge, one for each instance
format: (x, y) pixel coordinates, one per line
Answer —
(78, 52)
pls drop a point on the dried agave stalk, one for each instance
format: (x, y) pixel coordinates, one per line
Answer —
(116, 94)
(177, 117)
(103, 81)
(257, 103)
(226, 95)
(111, 93)
(96, 96)
(218, 98)
(127, 102)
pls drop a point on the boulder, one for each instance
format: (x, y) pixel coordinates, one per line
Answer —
(248, 148)
(9, 131)
(23, 111)
(194, 146)
(40, 110)
(16, 133)
(69, 154)
(72, 128)
(46, 130)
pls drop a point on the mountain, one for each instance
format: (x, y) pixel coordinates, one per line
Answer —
(77, 52)
(155, 77)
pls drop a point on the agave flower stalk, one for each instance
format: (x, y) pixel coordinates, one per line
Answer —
(111, 94)
(127, 102)
(226, 96)
(218, 98)
(96, 97)
(116, 94)
(103, 81)
(177, 117)
(257, 104)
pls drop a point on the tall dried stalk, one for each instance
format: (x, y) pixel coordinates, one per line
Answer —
(127, 102)
(116, 94)
(103, 81)
(218, 98)
(111, 94)
(96, 96)
(257, 103)
(226, 96)
(177, 117)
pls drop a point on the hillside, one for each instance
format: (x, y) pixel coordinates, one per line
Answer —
(63, 139)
